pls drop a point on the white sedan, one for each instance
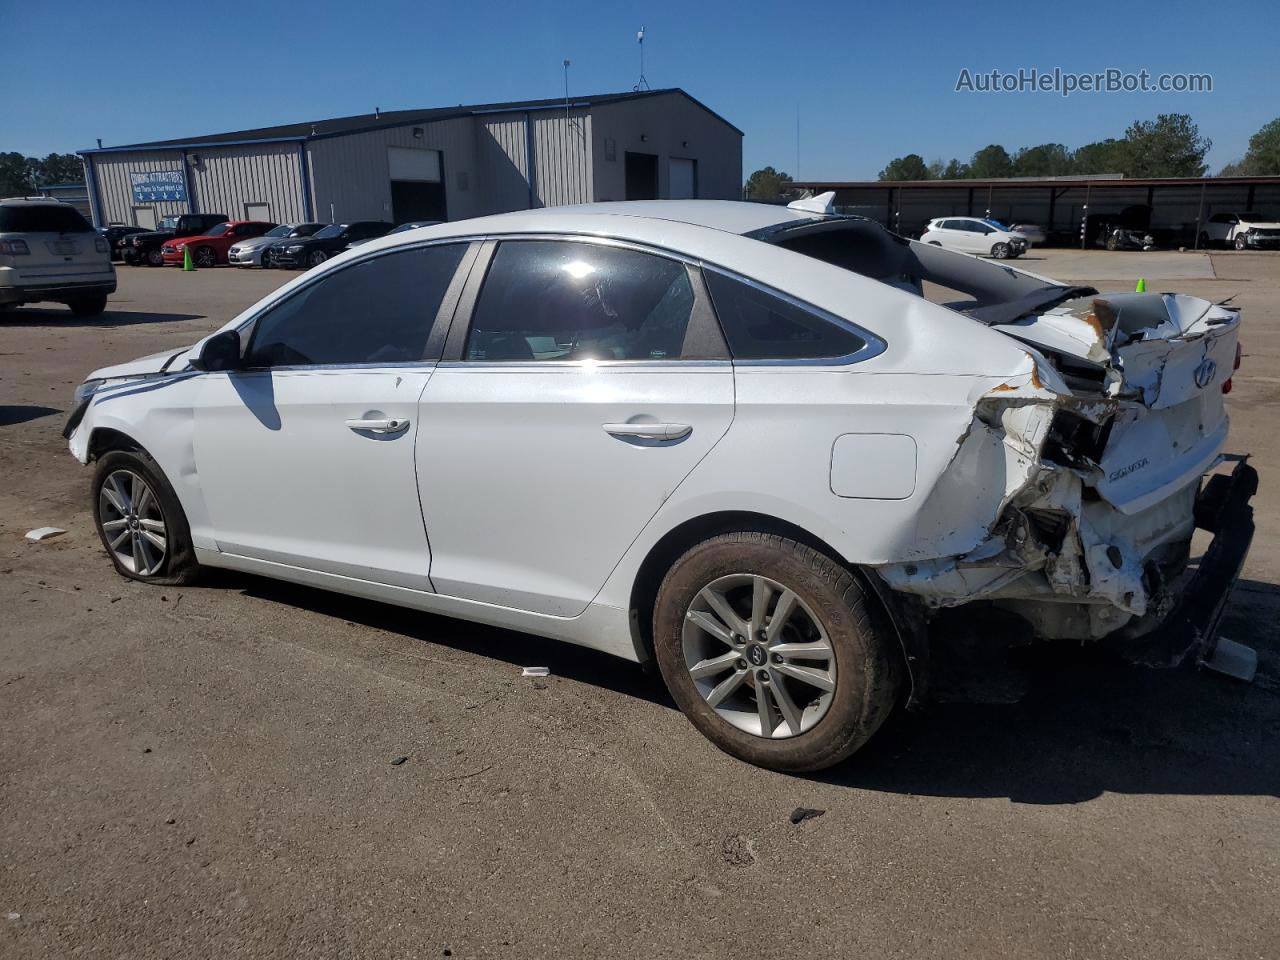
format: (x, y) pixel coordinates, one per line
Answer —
(731, 438)
(985, 238)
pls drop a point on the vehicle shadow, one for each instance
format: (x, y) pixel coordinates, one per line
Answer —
(15, 413)
(1094, 724)
(57, 316)
(1089, 723)
(510, 646)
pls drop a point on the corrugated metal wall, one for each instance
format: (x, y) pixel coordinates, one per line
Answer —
(563, 148)
(503, 157)
(351, 174)
(229, 178)
(115, 191)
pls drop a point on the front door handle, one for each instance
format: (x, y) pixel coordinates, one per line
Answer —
(382, 425)
(649, 431)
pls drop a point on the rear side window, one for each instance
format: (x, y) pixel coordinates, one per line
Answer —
(763, 326)
(563, 300)
(377, 311)
(42, 218)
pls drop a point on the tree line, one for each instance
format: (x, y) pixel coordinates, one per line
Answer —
(1168, 146)
(22, 175)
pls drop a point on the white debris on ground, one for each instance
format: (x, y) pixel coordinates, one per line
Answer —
(536, 672)
(44, 533)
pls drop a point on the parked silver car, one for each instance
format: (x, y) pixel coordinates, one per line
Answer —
(255, 251)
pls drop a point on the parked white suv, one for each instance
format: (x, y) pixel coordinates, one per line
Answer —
(986, 238)
(49, 252)
(733, 438)
(1244, 231)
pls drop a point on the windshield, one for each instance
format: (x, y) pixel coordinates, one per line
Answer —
(332, 230)
(168, 223)
(42, 218)
(283, 230)
(306, 229)
(217, 231)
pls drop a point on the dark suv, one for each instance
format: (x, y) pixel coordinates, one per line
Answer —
(145, 247)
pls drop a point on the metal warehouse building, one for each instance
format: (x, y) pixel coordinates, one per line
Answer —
(432, 164)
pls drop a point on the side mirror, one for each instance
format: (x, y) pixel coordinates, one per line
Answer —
(220, 352)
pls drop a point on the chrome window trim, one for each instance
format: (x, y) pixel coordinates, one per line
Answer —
(656, 365)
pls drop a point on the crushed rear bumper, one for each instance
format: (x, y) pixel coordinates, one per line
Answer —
(1191, 627)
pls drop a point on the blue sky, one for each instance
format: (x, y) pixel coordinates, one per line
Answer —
(867, 81)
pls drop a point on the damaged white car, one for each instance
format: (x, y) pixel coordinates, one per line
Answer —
(732, 439)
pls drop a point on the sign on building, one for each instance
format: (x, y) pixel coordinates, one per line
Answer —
(158, 185)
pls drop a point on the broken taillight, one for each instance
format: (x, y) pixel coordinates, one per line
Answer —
(1226, 385)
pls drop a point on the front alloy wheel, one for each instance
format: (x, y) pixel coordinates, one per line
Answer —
(759, 656)
(133, 523)
(316, 258)
(205, 257)
(1000, 251)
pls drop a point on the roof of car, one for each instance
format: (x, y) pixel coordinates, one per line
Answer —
(730, 216)
(33, 201)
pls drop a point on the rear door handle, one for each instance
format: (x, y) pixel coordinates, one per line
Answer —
(385, 425)
(649, 431)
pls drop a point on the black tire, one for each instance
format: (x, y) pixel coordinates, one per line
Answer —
(178, 565)
(266, 260)
(316, 257)
(88, 306)
(868, 663)
(1112, 243)
(1000, 251)
(155, 258)
(1241, 242)
(204, 257)
(1204, 241)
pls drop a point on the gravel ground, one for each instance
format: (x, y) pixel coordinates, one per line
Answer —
(207, 771)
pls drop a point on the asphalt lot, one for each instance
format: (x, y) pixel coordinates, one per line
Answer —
(205, 771)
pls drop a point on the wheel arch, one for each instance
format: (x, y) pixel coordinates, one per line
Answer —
(907, 625)
(103, 440)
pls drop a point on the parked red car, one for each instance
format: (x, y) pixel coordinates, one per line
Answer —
(211, 246)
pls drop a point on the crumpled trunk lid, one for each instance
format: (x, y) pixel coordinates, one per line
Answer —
(1164, 358)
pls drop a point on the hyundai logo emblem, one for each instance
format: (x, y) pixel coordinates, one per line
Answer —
(1205, 372)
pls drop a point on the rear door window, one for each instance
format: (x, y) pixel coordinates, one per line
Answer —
(760, 325)
(565, 300)
(377, 311)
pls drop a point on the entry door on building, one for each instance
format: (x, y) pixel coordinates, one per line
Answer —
(144, 217)
(417, 184)
(642, 176)
(683, 177)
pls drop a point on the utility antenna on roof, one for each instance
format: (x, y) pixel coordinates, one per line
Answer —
(643, 84)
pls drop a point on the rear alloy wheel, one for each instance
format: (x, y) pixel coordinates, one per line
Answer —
(140, 520)
(155, 258)
(1241, 242)
(1000, 251)
(316, 257)
(773, 651)
(88, 306)
(205, 257)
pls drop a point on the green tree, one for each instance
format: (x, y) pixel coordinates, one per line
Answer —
(58, 168)
(955, 170)
(1103, 156)
(1168, 146)
(769, 184)
(1233, 169)
(1262, 159)
(991, 161)
(15, 175)
(910, 167)
(1046, 160)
